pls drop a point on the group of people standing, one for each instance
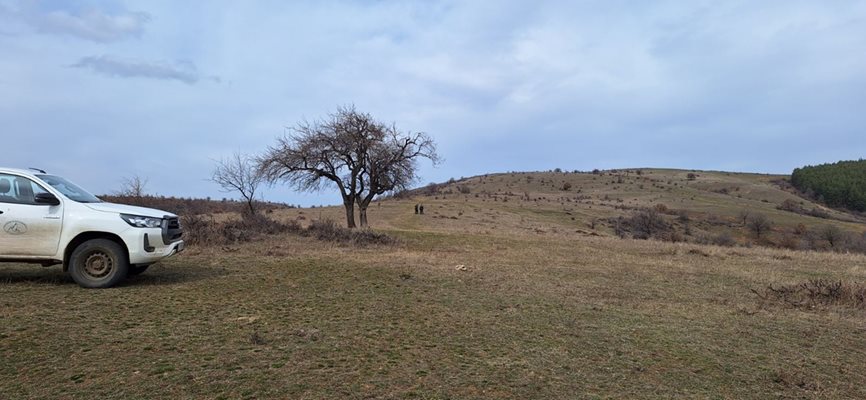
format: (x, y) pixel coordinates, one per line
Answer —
(419, 209)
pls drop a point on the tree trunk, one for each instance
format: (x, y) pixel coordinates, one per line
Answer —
(350, 212)
(251, 207)
(363, 203)
(362, 215)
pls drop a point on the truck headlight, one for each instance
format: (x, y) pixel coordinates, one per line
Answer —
(142, 222)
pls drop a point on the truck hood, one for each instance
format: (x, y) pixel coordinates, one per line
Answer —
(125, 209)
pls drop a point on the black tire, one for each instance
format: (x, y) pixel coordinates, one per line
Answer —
(134, 270)
(98, 263)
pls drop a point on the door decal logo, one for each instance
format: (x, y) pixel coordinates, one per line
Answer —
(15, 228)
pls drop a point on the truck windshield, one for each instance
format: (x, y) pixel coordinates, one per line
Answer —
(69, 189)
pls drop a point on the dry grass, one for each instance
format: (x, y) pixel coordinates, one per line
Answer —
(524, 317)
(482, 305)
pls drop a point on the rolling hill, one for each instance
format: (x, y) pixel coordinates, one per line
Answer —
(698, 206)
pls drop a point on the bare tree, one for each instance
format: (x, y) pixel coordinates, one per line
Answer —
(759, 224)
(329, 150)
(390, 164)
(239, 173)
(134, 186)
(361, 156)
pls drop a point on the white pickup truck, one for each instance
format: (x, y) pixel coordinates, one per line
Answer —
(45, 219)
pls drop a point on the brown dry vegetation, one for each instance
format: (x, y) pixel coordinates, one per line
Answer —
(479, 298)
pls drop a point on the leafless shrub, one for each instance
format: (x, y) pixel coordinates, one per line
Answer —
(645, 224)
(818, 213)
(759, 224)
(800, 229)
(815, 293)
(204, 231)
(723, 239)
(329, 231)
(856, 243)
(832, 234)
(790, 205)
(200, 230)
(791, 242)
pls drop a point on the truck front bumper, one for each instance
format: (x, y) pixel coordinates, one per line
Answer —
(149, 248)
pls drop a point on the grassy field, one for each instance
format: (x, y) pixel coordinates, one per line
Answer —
(504, 300)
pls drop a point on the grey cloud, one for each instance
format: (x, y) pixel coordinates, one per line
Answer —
(90, 24)
(510, 85)
(183, 71)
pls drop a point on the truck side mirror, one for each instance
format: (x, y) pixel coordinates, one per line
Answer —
(47, 198)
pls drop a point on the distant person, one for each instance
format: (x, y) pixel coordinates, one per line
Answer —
(416, 209)
(421, 208)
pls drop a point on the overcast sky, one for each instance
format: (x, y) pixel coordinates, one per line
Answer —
(101, 90)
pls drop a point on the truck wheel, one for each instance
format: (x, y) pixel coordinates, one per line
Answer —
(98, 263)
(136, 269)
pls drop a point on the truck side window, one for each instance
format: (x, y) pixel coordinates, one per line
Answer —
(18, 190)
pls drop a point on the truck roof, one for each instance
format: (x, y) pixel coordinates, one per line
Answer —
(19, 171)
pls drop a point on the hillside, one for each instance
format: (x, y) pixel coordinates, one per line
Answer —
(699, 206)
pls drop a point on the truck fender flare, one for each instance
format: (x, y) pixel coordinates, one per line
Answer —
(85, 236)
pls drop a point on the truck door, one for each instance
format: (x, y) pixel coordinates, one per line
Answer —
(27, 228)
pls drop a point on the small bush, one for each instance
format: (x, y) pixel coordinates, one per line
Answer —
(814, 293)
(204, 231)
(329, 231)
(818, 213)
(759, 224)
(200, 230)
(790, 205)
(791, 242)
(647, 223)
(800, 229)
(856, 244)
(832, 234)
(724, 239)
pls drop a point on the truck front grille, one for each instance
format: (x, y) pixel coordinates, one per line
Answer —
(173, 223)
(171, 230)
